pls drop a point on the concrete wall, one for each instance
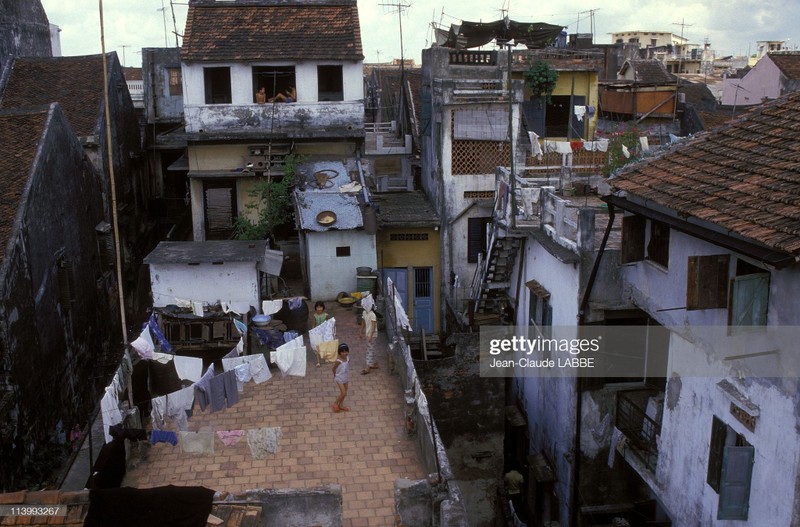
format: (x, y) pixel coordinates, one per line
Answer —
(764, 81)
(55, 356)
(207, 283)
(692, 399)
(160, 106)
(686, 433)
(294, 507)
(328, 274)
(305, 118)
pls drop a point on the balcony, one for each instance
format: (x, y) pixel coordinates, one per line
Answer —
(639, 419)
(277, 120)
(382, 139)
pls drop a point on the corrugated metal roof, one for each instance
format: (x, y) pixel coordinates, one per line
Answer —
(345, 206)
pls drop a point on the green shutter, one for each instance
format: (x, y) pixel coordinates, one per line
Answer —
(718, 433)
(734, 490)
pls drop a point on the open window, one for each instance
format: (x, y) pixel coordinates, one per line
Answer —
(707, 282)
(476, 237)
(217, 85)
(330, 84)
(658, 244)
(274, 80)
(749, 296)
(633, 234)
(540, 312)
(175, 82)
(730, 468)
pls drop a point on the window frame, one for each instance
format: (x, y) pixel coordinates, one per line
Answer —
(175, 81)
(746, 275)
(657, 248)
(476, 240)
(727, 474)
(214, 85)
(330, 76)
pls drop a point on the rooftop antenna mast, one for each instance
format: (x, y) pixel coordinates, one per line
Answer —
(399, 7)
(164, 16)
(174, 23)
(683, 24)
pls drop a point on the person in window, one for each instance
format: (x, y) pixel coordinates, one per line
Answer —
(261, 96)
(289, 96)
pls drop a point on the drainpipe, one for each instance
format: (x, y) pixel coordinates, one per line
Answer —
(578, 381)
(361, 176)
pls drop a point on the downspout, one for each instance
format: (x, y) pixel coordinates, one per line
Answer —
(361, 176)
(576, 467)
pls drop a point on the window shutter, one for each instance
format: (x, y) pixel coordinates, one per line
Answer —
(476, 238)
(633, 239)
(734, 491)
(718, 433)
(707, 282)
(750, 299)
(220, 210)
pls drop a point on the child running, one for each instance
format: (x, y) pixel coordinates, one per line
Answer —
(341, 374)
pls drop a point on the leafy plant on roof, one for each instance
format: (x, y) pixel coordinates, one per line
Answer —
(541, 78)
(625, 135)
(272, 204)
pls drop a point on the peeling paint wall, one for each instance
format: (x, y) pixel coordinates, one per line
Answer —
(26, 32)
(328, 274)
(159, 105)
(232, 282)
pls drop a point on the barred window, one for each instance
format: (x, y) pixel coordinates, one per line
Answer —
(409, 237)
(479, 194)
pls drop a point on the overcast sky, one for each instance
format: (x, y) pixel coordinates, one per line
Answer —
(731, 27)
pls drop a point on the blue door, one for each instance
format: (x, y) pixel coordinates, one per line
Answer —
(423, 299)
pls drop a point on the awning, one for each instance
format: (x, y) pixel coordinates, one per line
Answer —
(180, 165)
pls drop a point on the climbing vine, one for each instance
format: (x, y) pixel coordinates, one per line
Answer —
(626, 135)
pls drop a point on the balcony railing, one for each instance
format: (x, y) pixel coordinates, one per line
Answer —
(640, 429)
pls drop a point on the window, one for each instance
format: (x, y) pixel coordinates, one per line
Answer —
(540, 312)
(342, 251)
(633, 228)
(707, 282)
(730, 467)
(175, 81)
(749, 296)
(330, 86)
(217, 85)
(658, 245)
(476, 237)
(274, 80)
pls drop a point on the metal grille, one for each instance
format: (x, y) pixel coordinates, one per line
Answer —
(479, 157)
(479, 194)
(640, 430)
(422, 282)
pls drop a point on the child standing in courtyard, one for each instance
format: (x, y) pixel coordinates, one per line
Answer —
(341, 375)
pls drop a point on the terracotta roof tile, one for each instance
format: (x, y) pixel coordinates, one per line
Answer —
(76, 83)
(649, 71)
(743, 176)
(20, 134)
(788, 63)
(272, 30)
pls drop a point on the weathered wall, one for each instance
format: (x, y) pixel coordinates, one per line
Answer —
(295, 507)
(469, 414)
(328, 274)
(763, 81)
(26, 31)
(410, 254)
(207, 283)
(159, 105)
(59, 355)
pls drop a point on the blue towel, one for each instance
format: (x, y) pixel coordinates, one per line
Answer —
(163, 436)
(153, 325)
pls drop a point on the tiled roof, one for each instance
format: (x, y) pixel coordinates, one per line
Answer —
(405, 209)
(76, 83)
(649, 71)
(272, 30)
(788, 63)
(132, 74)
(20, 135)
(743, 177)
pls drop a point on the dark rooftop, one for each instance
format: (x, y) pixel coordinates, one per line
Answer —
(20, 134)
(788, 63)
(272, 29)
(75, 83)
(648, 71)
(405, 209)
(743, 177)
(207, 252)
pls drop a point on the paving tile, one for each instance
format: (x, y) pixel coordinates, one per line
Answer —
(364, 450)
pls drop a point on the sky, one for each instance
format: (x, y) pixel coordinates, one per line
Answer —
(731, 27)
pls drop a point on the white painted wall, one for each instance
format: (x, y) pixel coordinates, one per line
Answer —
(207, 283)
(680, 479)
(686, 435)
(328, 274)
(550, 404)
(242, 80)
